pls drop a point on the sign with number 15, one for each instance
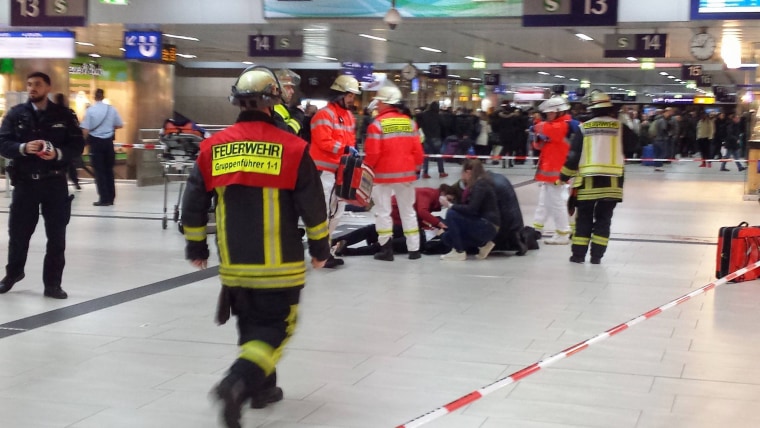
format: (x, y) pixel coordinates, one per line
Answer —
(48, 13)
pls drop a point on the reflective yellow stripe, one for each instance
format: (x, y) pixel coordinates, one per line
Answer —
(384, 232)
(579, 240)
(292, 268)
(600, 240)
(318, 232)
(221, 227)
(264, 282)
(259, 353)
(272, 244)
(411, 232)
(197, 234)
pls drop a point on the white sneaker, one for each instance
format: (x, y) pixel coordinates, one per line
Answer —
(455, 256)
(558, 239)
(485, 250)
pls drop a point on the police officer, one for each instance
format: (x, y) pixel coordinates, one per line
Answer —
(100, 122)
(333, 133)
(263, 180)
(40, 138)
(596, 161)
(394, 152)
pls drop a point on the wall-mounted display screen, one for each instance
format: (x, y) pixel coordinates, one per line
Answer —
(44, 44)
(725, 9)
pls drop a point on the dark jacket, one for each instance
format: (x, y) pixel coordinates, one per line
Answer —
(431, 122)
(733, 137)
(511, 219)
(56, 124)
(480, 201)
(263, 180)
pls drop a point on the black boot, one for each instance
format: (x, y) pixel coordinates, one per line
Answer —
(268, 394)
(385, 253)
(232, 393)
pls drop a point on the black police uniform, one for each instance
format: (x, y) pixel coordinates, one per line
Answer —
(39, 182)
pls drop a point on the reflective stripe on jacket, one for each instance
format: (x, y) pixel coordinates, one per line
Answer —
(393, 148)
(332, 129)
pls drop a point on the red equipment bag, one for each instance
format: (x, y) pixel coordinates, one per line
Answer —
(738, 247)
(353, 181)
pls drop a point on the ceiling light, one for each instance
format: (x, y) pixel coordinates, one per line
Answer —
(455, 75)
(583, 36)
(174, 36)
(186, 55)
(329, 58)
(543, 73)
(671, 77)
(315, 29)
(247, 62)
(474, 58)
(731, 50)
(94, 55)
(367, 36)
(630, 58)
(84, 44)
(559, 76)
(573, 79)
(663, 73)
(477, 79)
(122, 49)
(425, 48)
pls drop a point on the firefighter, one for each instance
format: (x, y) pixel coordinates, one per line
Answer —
(394, 152)
(287, 117)
(262, 179)
(596, 161)
(333, 134)
(40, 138)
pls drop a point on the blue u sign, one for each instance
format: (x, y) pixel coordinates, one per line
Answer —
(145, 45)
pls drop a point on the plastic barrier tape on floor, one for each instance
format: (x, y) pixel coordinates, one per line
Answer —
(527, 371)
(140, 146)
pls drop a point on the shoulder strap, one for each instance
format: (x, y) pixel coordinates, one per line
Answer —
(105, 116)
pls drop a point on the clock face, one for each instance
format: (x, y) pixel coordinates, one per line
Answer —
(409, 72)
(702, 46)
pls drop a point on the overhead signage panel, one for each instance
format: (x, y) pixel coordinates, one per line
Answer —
(568, 13)
(378, 9)
(635, 45)
(48, 13)
(492, 79)
(267, 45)
(143, 45)
(438, 71)
(45, 44)
(694, 73)
(728, 9)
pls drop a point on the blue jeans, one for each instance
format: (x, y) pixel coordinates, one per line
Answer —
(732, 153)
(463, 231)
(432, 146)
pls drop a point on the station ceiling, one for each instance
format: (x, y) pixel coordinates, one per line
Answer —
(497, 41)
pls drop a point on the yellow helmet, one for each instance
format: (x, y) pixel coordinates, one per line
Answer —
(599, 99)
(256, 84)
(346, 83)
(288, 77)
(389, 94)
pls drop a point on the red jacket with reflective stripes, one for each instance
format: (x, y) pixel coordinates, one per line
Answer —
(554, 152)
(332, 129)
(393, 148)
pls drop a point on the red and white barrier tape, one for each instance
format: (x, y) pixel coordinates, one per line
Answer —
(140, 146)
(527, 371)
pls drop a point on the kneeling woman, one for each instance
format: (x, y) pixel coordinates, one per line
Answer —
(474, 222)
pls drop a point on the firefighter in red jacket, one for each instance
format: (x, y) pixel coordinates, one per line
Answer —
(262, 180)
(394, 152)
(333, 134)
(552, 140)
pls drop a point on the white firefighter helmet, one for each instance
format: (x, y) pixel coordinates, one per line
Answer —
(599, 99)
(257, 84)
(556, 103)
(288, 77)
(389, 94)
(346, 83)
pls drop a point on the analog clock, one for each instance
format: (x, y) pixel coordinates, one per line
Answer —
(702, 46)
(409, 72)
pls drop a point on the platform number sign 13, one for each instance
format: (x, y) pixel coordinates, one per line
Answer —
(563, 13)
(48, 13)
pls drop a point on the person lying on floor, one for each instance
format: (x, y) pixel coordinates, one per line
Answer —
(426, 202)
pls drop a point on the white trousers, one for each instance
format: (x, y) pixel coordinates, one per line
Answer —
(335, 207)
(552, 203)
(381, 196)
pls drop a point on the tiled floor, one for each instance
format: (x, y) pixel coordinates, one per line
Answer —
(381, 343)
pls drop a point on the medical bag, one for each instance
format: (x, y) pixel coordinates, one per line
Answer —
(353, 181)
(738, 247)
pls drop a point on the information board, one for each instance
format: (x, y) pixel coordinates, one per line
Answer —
(635, 45)
(46, 44)
(144, 45)
(728, 9)
(48, 13)
(266, 45)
